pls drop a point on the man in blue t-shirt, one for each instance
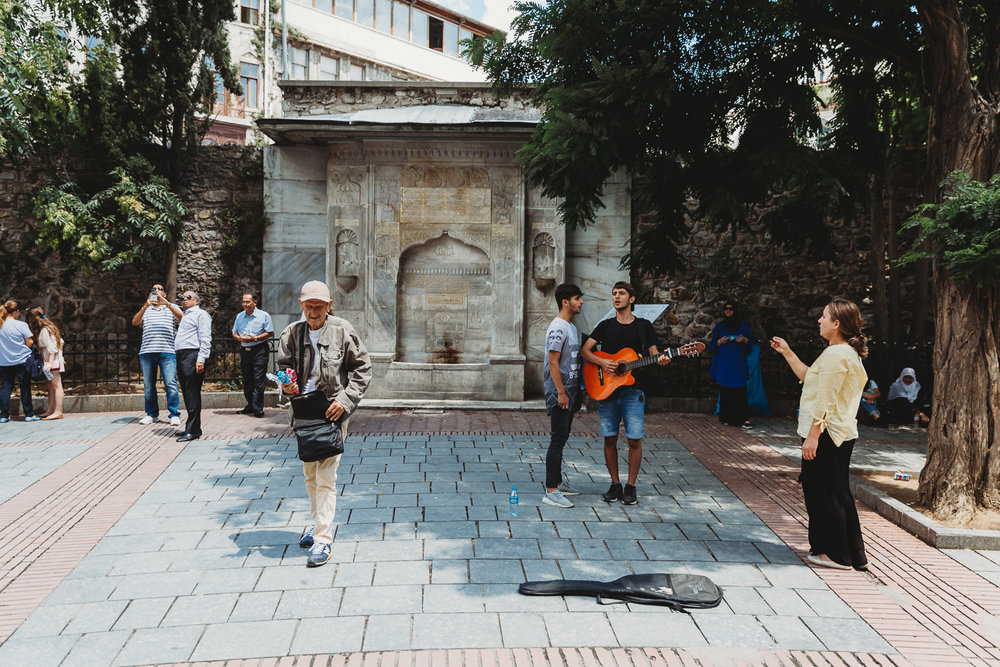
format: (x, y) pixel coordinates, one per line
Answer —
(628, 402)
(561, 377)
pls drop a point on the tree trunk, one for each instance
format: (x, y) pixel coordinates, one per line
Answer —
(892, 255)
(962, 469)
(878, 216)
(960, 474)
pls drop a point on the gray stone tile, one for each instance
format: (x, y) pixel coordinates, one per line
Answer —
(96, 649)
(200, 610)
(590, 549)
(72, 591)
(616, 530)
(675, 550)
(847, 634)
(309, 604)
(252, 639)
(791, 576)
(456, 631)
(402, 572)
(697, 531)
(387, 632)
(360, 601)
(827, 604)
(166, 584)
(541, 570)
(49, 621)
(449, 571)
(523, 630)
(157, 645)
(329, 635)
(444, 598)
(143, 613)
(444, 549)
(399, 531)
(208, 559)
(733, 630)
(495, 571)
(724, 574)
(389, 550)
(665, 531)
(435, 530)
(745, 600)
(492, 548)
(93, 567)
(95, 616)
(579, 629)
(777, 553)
(738, 552)
(354, 574)
(283, 578)
(625, 550)
(228, 581)
(791, 633)
(785, 602)
(370, 515)
(255, 606)
(36, 650)
(662, 629)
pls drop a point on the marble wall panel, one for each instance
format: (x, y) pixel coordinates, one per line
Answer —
(284, 274)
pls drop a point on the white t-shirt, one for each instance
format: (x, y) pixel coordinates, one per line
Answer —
(314, 373)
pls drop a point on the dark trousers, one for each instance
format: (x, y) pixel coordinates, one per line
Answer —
(733, 408)
(190, 382)
(9, 375)
(561, 421)
(253, 364)
(834, 527)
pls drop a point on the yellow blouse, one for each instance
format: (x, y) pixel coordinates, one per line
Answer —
(831, 393)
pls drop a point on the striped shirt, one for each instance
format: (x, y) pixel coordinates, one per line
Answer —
(158, 324)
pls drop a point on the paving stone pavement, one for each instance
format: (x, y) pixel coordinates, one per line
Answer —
(203, 564)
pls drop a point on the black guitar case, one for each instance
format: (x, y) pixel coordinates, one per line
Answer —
(677, 591)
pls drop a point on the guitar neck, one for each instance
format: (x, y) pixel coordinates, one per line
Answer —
(669, 353)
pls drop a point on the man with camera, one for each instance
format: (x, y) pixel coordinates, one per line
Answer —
(158, 319)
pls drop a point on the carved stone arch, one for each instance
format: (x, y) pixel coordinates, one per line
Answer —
(348, 260)
(445, 303)
(543, 262)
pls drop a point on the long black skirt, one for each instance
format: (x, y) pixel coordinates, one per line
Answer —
(834, 527)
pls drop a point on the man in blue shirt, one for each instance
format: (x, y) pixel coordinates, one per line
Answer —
(193, 346)
(252, 329)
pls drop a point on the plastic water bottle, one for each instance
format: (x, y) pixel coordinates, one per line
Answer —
(513, 501)
(47, 373)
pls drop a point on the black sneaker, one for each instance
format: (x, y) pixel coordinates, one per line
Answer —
(628, 498)
(614, 493)
(248, 410)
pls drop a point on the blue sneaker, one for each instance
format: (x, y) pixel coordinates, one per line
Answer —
(568, 489)
(4, 420)
(32, 418)
(319, 554)
(556, 499)
(306, 541)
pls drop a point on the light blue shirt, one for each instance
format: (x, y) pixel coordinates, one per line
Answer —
(13, 351)
(255, 325)
(195, 333)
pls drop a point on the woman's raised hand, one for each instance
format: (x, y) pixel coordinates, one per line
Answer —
(779, 345)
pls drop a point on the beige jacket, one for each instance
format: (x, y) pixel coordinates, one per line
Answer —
(344, 367)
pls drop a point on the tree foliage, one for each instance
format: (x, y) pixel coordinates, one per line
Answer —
(962, 233)
(119, 225)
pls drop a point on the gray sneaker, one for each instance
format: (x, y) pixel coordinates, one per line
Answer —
(568, 489)
(319, 554)
(556, 499)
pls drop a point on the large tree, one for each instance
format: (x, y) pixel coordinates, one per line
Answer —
(714, 101)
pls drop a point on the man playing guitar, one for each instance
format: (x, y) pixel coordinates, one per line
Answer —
(628, 402)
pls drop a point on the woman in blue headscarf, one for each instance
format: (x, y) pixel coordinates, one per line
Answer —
(729, 345)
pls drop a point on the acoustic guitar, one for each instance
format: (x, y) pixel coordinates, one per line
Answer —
(600, 385)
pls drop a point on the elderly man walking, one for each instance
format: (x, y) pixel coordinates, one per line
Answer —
(252, 328)
(327, 355)
(193, 347)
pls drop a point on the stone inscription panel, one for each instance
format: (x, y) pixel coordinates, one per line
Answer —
(445, 205)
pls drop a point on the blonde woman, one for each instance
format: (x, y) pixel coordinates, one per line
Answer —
(50, 343)
(828, 426)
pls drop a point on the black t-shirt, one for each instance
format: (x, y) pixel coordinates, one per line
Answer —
(613, 336)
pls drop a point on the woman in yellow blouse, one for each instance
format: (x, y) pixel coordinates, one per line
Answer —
(828, 426)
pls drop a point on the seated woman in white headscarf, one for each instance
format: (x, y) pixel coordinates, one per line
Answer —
(902, 406)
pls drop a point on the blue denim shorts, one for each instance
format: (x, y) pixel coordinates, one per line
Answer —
(627, 404)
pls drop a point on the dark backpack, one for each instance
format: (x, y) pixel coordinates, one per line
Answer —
(680, 592)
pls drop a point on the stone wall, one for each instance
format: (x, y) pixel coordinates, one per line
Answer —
(105, 302)
(313, 98)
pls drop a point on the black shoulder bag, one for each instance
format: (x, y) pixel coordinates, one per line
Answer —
(34, 366)
(318, 437)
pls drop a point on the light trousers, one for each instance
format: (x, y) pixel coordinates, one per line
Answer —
(321, 484)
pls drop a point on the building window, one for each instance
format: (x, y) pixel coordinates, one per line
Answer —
(324, 6)
(329, 68)
(344, 9)
(249, 11)
(383, 15)
(418, 23)
(357, 72)
(298, 63)
(463, 35)
(249, 73)
(220, 89)
(435, 33)
(401, 20)
(366, 12)
(451, 39)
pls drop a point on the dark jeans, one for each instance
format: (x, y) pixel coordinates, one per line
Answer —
(561, 421)
(190, 389)
(253, 364)
(834, 527)
(733, 408)
(8, 374)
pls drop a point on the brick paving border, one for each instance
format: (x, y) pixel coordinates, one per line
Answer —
(47, 529)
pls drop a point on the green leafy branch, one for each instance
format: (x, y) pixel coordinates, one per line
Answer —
(962, 233)
(120, 225)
